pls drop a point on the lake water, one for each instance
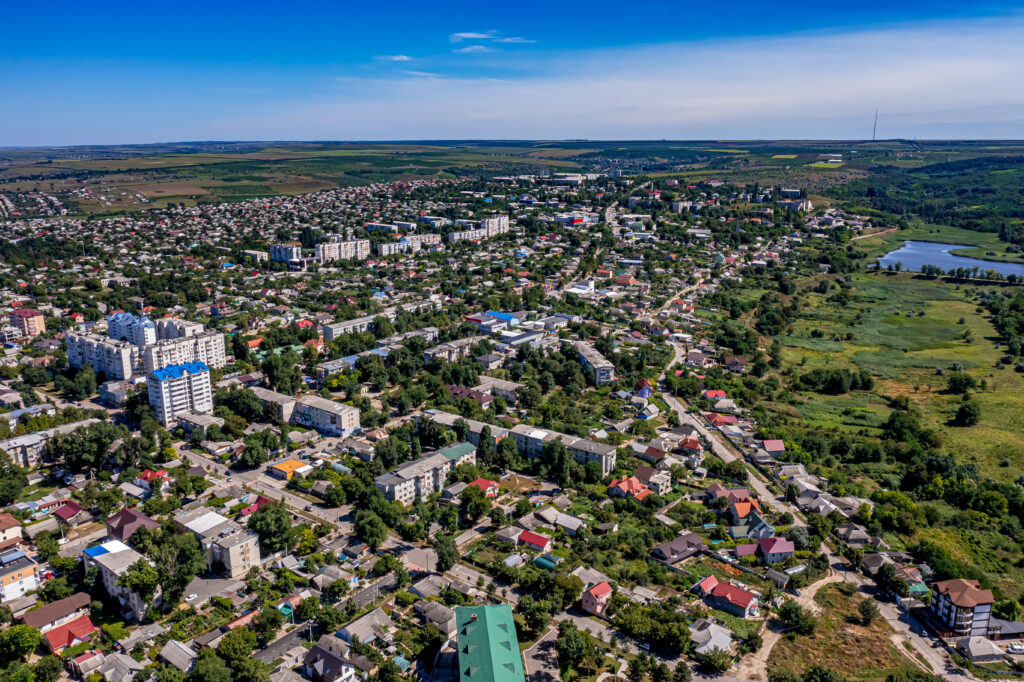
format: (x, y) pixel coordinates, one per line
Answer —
(915, 254)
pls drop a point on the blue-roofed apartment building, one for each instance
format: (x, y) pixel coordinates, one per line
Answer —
(177, 389)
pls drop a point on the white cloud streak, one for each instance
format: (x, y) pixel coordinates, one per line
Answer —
(393, 58)
(939, 80)
(473, 49)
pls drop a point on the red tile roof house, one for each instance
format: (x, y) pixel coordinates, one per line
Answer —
(718, 420)
(260, 503)
(775, 550)
(726, 597)
(745, 550)
(69, 634)
(489, 488)
(774, 447)
(595, 600)
(72, 513)
(541, 543)
(629, 487)
(714, 394)
(124, 523)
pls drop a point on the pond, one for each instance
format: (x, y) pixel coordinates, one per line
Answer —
(912, 255)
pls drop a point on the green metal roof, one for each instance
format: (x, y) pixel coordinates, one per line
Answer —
(488, 648)
(457, 450)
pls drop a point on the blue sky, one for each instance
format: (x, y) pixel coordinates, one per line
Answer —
(93, 73)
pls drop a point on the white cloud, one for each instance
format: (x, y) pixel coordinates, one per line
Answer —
(473, 48)
(471, 35)
(938, 80)
(393, 58)
(489, 35)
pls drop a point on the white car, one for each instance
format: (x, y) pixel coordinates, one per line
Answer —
(192, 597)
(1016, 648)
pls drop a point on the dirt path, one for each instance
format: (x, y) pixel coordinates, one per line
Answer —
(755, 666)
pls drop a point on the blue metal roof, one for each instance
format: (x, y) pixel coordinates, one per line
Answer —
(96, 551)
(178, 371)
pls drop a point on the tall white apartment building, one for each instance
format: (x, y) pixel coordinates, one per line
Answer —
(116, 359)
(393, 248)
(178, 389)
(352, 249)
(494, 226)
(128, 327)
(176, 328)
(206, 347)
(489, 227)
(282, 253)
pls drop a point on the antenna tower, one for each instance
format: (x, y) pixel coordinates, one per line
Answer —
(874, 130)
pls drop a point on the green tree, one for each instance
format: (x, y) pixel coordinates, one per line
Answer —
(251, 670)
(18, 641)
(170, 674)
(868, 611)
(447, 552)
(474, 503)
(960, 382)
(370, 528)
(969, 412)
(210, 667)
(717, 660)
(267, 623)
(682, 673)
(236, 646)
(48, 669)
(273, 525)
(141, 578)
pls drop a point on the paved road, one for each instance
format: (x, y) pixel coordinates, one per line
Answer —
(282, 645)
(255, 479)
(74, 547)
(542, 660)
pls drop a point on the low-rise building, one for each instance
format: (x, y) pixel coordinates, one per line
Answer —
(602, 369)
(17, 575)
(415, 479)
(963, 608)
(326, 416)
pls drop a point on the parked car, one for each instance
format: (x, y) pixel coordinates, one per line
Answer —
(1016, 648)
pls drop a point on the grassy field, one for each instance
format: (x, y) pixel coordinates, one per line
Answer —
(842, 643)
(903, 329)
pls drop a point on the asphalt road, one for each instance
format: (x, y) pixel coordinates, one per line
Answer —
(283, 645)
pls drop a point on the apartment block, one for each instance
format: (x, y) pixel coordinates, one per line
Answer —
(206, 347)
(113, 559)
(29, 322)
(229, 548)
(282, 253)
(326, 416)
(415, 479)
(115, 358)
(257, 256)
(395, 248)
(352, 249)
(602, 369)
(177, 389)
(135, 330)
(451, 351)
